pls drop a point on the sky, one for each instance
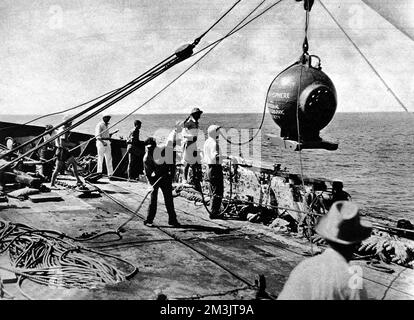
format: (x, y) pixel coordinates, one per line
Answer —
(57, 54)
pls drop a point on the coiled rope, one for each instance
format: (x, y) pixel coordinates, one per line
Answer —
(52, 258)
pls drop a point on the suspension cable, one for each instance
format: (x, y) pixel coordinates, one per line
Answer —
(305, 49)
(366, 60)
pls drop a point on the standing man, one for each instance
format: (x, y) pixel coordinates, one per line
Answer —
(159, 176)
(329, 276)
(103, 145)
(136, 151)
(213, 160)
(46, 153)
(189, 142)
(64, 156)
(173, 138)
(338, 194)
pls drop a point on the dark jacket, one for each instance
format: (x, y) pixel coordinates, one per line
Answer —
(154, 170)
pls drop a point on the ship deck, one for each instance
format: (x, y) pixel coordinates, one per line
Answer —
(202, 259)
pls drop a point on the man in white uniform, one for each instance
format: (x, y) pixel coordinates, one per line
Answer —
(103, 145)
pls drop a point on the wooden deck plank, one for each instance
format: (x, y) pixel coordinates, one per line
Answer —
(165, 267)
(401, 280)
(402, 284)
(186, 261)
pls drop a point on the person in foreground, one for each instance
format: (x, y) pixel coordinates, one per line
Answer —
(159, 175)
(329, 276)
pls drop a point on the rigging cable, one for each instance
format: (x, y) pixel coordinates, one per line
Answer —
(228, 35)
(205, 48)
(148, 73)
(305, 55)
(215, 23)
(186, 70)
(196, 41)
(192, 65)
(181, 54)
(366, 59)
(59, 112)
(233, 31)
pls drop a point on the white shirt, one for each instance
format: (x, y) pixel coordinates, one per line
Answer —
(327, 276)
(102, 131)
(59, 140)
(172, 139)
(211, 152)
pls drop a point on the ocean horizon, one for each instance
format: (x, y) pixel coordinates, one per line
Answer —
(374, 158)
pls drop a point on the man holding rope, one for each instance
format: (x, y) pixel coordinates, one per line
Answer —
(159, 175)
(136, 152)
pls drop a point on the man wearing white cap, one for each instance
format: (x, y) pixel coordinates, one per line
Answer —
(213, 159)
(329, 276)
(103, 145)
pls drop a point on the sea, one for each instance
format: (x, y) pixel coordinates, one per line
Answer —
(375, 157)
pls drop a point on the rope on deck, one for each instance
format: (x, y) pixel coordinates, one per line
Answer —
(185, 243)
(51, 258)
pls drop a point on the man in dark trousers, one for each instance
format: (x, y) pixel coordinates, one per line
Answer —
(136, 151)
(213, 159)
(159, 175)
